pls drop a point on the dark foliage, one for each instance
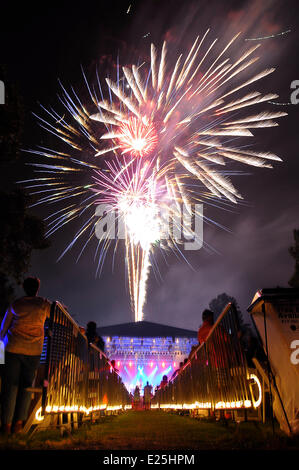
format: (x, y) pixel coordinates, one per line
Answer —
(11, 121)
(294, 252)
(219, 303)
(20, 231)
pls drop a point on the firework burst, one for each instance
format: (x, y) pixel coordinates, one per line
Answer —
(165, 127)
(137, 138)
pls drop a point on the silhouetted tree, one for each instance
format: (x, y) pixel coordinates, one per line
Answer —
(20, 232)
(11, 121)
(219, 303)
(294, 252)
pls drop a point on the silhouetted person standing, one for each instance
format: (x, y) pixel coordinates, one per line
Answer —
(207, 325)
(113, 365)
(147, 396)
(22, 331)
(164, 381)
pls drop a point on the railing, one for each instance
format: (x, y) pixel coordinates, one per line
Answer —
(216, 375)
(76, 377)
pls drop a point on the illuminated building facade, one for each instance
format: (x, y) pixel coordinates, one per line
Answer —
(145, 351)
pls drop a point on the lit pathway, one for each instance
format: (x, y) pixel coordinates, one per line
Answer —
(158, 430)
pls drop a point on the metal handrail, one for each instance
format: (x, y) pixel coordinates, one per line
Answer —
(78, 376)
(216, 375)
(223, 313)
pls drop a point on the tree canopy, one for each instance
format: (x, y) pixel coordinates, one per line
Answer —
(218, 304)
(20, 231)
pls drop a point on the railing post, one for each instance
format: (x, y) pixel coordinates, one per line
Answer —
(76, 378)
(48, 357)
(216, 376)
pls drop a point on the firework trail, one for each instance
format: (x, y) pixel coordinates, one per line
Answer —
(135, 197)
(163, 128)
(271, 36)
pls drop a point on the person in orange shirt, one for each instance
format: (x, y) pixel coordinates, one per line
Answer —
(207, 325)
(22, 331)
(164, 381)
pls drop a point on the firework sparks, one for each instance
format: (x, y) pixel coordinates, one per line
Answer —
(166, 127)
(137, 138)
(271, 36)
(135, 198)
(185, 106)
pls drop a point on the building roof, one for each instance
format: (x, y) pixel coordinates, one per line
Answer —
(143, 329)
(278, 293)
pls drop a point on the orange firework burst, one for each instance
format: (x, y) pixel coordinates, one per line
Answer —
(137, 138)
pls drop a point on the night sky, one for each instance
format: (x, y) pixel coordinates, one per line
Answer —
(40, 46)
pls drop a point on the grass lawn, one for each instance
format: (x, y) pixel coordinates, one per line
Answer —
(156, 429)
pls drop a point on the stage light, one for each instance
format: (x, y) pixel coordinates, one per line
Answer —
(163, 364)
(174, 364)
(152, 374)
(118, 363)
(152, 364)
(130, 364)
